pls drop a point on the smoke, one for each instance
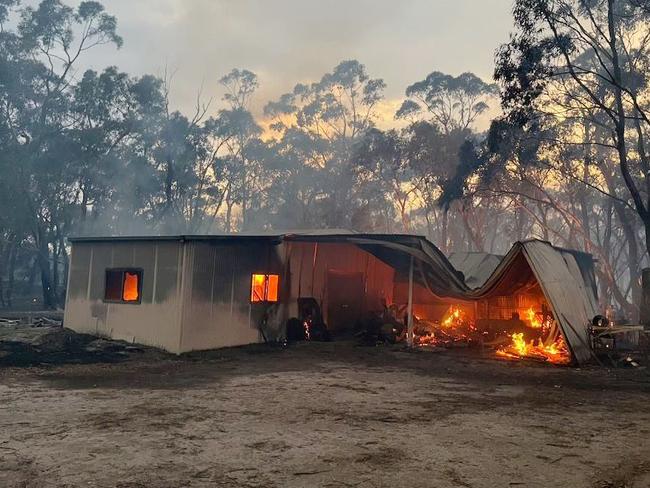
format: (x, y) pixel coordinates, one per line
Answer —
(288, 41)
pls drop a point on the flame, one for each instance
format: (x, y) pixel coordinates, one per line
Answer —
(130, 291)
(264, 288)
(454, 327)
(519, 344)
(306, 325)
(272, 288)
(533, 321)
(555, 352)
(454, 316)
(426, 339)
(258, 282)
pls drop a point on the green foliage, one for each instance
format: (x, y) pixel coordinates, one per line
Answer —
(453, 103)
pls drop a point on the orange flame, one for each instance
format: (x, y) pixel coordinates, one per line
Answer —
(455, 326)
(454, 316)
(264, 288)
(533, 321)
(556, 352)
(130, 291)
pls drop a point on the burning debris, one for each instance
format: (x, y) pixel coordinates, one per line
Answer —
(556, 352)
(454, 329)
(531, 333)
(539, 340)
(535, 337)
(309, 325)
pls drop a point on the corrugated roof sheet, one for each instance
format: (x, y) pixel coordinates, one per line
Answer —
(475, 266)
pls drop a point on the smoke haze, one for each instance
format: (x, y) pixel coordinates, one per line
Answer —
(287, 41)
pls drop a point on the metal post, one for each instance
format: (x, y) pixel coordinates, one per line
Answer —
(409, 309)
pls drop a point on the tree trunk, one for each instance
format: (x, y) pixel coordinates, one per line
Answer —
(43, 260)
(475, 240)
(66, 267)
(519, 219)
(11, 275)
(54, 284)
(627, 224)
(229, 205)
(621, 148)
(645, 304)
(3, 252)
(445, 229)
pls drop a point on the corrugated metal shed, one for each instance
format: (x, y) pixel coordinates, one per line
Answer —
(214, 262)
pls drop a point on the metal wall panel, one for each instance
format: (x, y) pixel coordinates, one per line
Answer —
(79, 271)
(166, 271)
(102, 259)
(218, 312)
(311, 262)
(124, 254)
(145, 257)
(148, 322)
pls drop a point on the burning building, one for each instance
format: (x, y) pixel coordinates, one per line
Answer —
(185, 293)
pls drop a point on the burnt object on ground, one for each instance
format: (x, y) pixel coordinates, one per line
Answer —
(309, 325)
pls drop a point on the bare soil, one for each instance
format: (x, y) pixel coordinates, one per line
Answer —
(326, 415)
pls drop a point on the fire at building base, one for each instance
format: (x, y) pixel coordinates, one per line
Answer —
(516, 338)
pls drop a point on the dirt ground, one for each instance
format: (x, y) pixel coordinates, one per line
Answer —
(327, 415)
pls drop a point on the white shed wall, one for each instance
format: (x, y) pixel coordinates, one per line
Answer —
(155, 321)
(216, 292)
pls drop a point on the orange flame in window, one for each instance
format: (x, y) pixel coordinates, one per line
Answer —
(257, 287)
(272, 289)
(264, 288)
(130, 291)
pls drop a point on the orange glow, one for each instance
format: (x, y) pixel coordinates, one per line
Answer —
(556, 352)
(265, 288)
(454, 327)
(453, 318)
(130, 289)
(272, 288)
(257, 287)
(533, 321)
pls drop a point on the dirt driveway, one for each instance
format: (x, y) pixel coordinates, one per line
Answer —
(329, 415)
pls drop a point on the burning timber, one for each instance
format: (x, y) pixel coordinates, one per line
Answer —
(185, 293)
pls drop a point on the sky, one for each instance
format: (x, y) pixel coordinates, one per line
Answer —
(289, 41)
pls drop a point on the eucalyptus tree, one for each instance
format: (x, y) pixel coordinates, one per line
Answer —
(453, 103)
(332, 113)
(237, 165)
(443, 111)
(384, 175)
(586, 64)
(39, 58)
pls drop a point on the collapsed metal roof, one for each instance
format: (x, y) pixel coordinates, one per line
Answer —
(567, 281)
(475, 266)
